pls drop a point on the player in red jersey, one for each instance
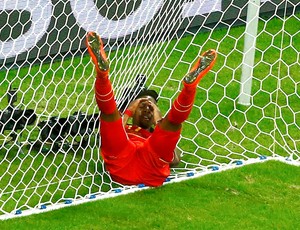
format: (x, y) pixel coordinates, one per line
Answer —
(133, 154)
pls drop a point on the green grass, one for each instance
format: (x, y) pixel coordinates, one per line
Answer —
(219, 130)
(259, 196)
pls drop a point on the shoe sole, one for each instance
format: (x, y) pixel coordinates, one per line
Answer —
(202, 66)
(96, 51)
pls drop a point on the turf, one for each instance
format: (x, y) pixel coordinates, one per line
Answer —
(260, 196)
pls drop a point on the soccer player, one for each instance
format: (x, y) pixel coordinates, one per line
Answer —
(133, 154)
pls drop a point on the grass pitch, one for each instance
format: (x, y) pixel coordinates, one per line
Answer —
(260, 196)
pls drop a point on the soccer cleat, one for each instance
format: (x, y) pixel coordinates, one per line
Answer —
(96, 51)
(200, 69)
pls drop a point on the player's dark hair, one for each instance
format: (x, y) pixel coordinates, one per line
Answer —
(148, 92)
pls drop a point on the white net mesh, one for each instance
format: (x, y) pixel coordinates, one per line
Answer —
(49, 148)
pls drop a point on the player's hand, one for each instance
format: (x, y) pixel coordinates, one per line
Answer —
(134, 105)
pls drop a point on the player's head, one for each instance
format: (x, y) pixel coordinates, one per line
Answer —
(150, 94)
(144, 114)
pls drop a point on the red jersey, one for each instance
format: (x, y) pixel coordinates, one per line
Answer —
(135, 131)
(132, 159)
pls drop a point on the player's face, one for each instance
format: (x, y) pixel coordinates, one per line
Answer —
(144, 114)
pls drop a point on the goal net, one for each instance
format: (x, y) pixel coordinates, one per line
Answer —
(247, 108)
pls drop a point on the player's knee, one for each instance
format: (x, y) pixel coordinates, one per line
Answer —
(111, 117)
(165, 124)
(176, 159)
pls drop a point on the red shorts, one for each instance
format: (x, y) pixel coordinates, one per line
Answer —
(133, 160)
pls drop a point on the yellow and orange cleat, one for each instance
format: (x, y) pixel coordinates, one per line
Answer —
(205, 62)
(95, 48)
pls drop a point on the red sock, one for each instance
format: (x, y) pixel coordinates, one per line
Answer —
(104, 93)
(182, 106)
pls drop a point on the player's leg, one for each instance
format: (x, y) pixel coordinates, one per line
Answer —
(165, 137)
(163, 143)
(111, 128)
(182, 106)
(103, 89)
(114, 140)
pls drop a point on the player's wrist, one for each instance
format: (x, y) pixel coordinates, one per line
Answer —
(128, 112)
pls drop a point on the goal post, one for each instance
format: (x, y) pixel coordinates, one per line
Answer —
(49, 142)
(249, 51)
